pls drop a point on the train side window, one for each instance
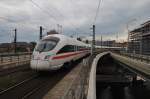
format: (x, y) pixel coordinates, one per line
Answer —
(67, 48)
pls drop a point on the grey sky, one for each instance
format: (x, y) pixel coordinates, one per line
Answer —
(74, 15)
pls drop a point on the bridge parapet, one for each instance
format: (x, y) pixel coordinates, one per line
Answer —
(92, 80)
(143, 58)
(139, 67)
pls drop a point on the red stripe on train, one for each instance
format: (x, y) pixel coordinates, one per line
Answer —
(67, 55)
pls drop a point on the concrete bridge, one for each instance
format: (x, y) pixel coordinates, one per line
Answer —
(98, 77)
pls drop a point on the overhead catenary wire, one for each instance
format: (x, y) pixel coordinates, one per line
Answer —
(7, 19)
(49, 13)
(43, 10)
(46, 11)
(97, 11)
(14, 21)
(77, 28)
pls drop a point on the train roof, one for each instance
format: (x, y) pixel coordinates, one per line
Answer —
(70, 40)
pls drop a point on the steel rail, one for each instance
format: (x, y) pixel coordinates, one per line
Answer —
(19, 84)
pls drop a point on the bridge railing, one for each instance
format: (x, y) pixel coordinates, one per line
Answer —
(144, 58)
(78, 88)
(6, 58)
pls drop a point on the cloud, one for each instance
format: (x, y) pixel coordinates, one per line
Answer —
(76, 16)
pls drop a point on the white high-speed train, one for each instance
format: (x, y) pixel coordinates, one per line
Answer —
(53, 51)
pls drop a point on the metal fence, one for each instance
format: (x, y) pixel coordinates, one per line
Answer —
(78, 89)
(14, 58)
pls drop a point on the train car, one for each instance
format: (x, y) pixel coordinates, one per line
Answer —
(53, 51)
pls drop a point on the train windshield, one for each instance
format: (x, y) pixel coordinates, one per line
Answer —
(46, 44)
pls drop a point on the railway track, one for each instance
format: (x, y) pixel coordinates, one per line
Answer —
(19, 84)
(34, 87)
(9, 93)
(11, 70)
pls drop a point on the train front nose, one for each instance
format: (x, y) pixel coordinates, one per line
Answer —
(40, 65)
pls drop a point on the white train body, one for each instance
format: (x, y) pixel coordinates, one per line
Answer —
(53, 51)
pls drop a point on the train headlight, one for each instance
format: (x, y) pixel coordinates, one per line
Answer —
(47, 57)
